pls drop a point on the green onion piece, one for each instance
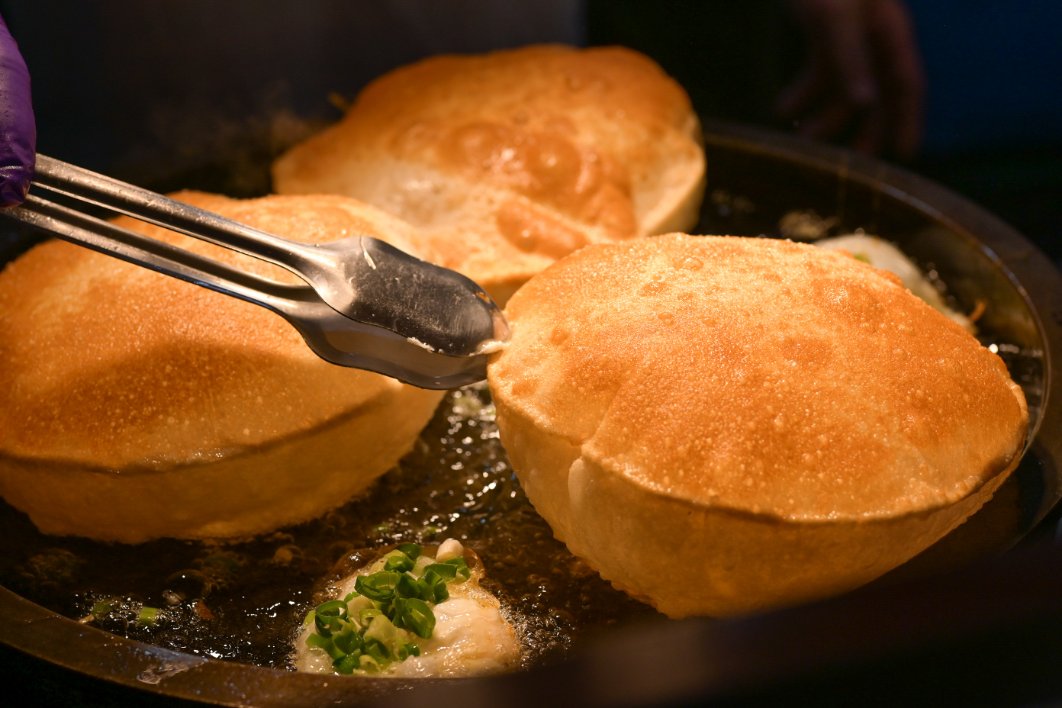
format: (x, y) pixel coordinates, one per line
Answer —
(332, 608)
(446, 571)
(435, 587)
(377, 652)
(316, 640)
(377, 586)
(407, 650)
(463, 571)
(434, 590)
(327, 626)
(348, 640)
(329, 617)
(356, 607)
(347, 664)
(102, 608)
(332, 650)
(398, 561)
(147, 616)
(416, 615)
(374, 625)
(383, 632)
(408, 586)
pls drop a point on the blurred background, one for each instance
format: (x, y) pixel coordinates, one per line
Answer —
(992, 125)
(161, 92)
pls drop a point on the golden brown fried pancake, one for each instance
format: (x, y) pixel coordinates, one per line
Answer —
(134, 405)
(508, 160)
(720, 425)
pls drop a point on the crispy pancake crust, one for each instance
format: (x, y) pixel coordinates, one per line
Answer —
(134, 405)
(509, 160)
(722, 424)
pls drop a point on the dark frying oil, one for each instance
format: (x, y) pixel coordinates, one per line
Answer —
(244, 601)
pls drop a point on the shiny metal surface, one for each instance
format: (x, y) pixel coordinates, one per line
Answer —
(365, 304)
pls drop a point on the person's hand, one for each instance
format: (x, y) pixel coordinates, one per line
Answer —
(18, 130)
(863, 82)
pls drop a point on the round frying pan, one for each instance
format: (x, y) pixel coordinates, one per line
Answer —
(971, 601)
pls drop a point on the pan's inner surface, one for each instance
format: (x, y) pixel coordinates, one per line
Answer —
(243, 601)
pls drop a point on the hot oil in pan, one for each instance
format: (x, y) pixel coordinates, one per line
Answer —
(244, 601)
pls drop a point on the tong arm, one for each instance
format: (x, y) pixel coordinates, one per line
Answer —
(401, 311)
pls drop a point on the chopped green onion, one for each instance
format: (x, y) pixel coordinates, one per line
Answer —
(416, 615)
(398, 561)
(462, 567)
(375, 625)
(329, 616)
(147, 616)
(407, 650)
(408, 586)
(376, 652)
(446, 571)
(348, 640)
(102, 608)
(377, 586)
(321, 642)
(436, 586)
(347, 664)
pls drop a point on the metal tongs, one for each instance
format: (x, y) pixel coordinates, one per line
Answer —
(365, 304)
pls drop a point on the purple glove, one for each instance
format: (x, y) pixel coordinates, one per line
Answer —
(18, 130)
